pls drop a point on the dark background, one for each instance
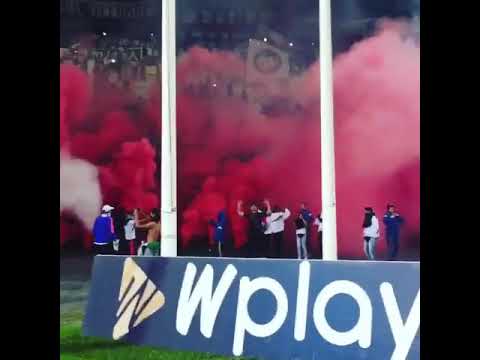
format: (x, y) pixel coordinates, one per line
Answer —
(198, 21)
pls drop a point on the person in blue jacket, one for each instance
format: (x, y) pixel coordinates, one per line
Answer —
(220, 230)
(309, 218)
(103, 232)
(392, 221)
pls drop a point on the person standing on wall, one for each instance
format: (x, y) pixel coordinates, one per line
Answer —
(103, 232)
(318, 222)
(220, 226)
(268, 228)
(120, 245)
(153, 231)
(275, 223)
(130, 236)
(308, 217)
(370, 233)
(301, 233)
(392, 221)
(256, 228)
(140, 233)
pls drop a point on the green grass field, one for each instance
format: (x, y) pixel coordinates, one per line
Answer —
(74, 287)
(74, 346)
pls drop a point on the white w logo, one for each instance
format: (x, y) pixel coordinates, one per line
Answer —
(139, 299)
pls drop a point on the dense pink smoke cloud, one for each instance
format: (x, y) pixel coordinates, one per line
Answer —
(377, 142)
(100, 126)
(74, 100)
(130, 179)
(228, 151)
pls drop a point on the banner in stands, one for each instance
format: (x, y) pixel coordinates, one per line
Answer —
(272, 309)
(267, 69)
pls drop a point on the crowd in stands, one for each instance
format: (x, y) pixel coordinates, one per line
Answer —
(136, 63)
(129, 60)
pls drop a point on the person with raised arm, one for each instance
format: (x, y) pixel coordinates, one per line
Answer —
(275, 224)
(256, 228)
(153, 231)
(308, 217)
(392, 221)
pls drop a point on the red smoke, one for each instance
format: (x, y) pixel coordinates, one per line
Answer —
(74, 99)
(377, 142)
(104, 126)
(130, 179)
(228, 151)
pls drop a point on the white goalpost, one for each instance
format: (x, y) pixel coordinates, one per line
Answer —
(327, 149)
(169, 134)
(169, 153)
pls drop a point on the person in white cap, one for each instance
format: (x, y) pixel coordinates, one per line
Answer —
(103, 232)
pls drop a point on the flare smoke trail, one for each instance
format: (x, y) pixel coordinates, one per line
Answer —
(79, 189)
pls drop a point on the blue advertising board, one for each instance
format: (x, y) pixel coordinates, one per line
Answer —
(264, 308)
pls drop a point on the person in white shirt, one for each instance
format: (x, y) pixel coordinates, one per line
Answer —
(318, 222)
(130, 234)
(275, 228)
(370, 233)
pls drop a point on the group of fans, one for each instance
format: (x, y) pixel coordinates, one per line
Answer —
(371, 232)
(137, 233)
(266, 227)
(134, 233)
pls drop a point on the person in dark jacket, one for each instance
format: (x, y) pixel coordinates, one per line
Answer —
(301, 234)
(256, 228)
(119, 220)
(309, 218)
(103, 232)
(220, 230)
(307, 215)
(392, 221)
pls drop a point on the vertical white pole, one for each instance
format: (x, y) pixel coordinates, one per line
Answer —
(329, 246)
(169, 133)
